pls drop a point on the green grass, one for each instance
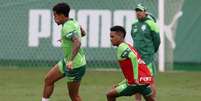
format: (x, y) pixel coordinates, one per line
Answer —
(26, 85)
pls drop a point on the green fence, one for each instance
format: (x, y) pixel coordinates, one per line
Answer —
(28, 35)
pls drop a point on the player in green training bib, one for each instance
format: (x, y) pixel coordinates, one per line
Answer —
(73, 65)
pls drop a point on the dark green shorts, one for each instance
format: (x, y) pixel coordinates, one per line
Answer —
(75, 74)
(128, 90)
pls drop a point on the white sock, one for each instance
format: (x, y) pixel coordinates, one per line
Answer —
(45, 99)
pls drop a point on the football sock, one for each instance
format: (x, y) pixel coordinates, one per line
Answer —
(45, 99)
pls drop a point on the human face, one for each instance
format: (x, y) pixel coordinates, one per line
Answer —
(59, 18)
(140, 14)
(115, 38)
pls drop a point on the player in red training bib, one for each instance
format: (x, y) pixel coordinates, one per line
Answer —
(136, 73)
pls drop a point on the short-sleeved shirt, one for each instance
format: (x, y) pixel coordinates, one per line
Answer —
(69, 29)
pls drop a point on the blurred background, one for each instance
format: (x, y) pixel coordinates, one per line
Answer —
(28, 38)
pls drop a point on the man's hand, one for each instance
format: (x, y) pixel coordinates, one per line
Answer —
(83, 33)
(69, 65)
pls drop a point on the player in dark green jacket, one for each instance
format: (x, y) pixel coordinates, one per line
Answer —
(146, 39)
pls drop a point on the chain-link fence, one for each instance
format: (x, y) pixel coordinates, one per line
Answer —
(29, 35)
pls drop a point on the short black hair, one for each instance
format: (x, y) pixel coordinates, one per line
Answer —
(119, 29)
(62, 8)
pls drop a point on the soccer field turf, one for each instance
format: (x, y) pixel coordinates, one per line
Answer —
(26, 85)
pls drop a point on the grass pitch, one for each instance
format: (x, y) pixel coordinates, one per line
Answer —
(26, 85)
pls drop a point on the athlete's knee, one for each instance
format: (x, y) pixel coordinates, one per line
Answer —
(48, 80)
(110, 95)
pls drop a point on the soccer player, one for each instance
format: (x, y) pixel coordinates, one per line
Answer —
(145, 35)
(136, 73)
(73, 65)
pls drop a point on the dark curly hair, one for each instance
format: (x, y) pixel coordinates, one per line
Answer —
(62, 8)
(119, 29)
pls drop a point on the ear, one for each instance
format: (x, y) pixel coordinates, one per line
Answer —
(121, 34)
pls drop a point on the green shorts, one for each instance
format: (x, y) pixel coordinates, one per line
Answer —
(75, 74)
(128, 90)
